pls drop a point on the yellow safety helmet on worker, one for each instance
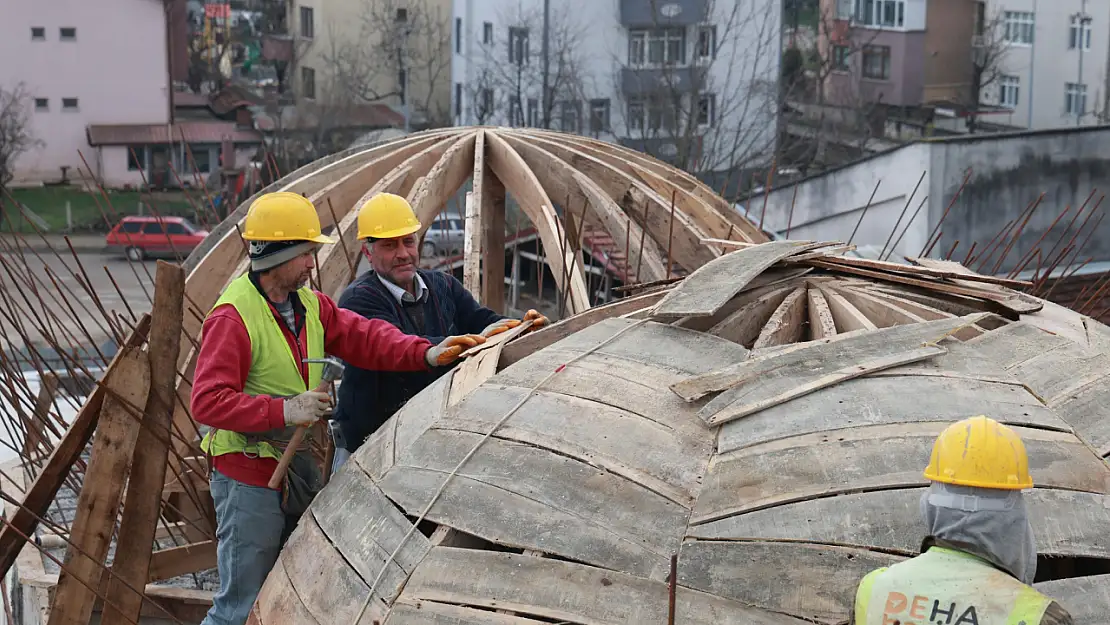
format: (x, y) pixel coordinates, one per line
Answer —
(386, 216)
(283, 216)
(982, 453)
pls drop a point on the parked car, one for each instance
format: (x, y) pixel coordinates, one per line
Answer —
(444, 237)
(143, 237)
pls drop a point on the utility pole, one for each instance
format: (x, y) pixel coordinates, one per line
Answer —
(546, 104)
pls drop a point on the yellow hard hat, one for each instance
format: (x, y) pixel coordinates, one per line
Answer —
(979, 452)
(283, 216)
(386, 216)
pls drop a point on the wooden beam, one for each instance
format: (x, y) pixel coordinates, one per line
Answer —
(57, 467)
(490, 193)
(148, 467)
(102, 489)
(472, 244)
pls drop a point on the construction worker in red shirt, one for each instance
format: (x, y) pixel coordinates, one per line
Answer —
(252, 390)
(978, 557)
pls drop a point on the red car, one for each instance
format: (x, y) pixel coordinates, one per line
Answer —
(142, 237)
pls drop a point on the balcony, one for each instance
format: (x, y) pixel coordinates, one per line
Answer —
(665, 13)
(665, 149)
(638, 82)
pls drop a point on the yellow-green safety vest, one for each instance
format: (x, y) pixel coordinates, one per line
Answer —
(946, 587)
(275, 369)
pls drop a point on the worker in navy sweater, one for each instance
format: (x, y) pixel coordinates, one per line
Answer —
(419, 302)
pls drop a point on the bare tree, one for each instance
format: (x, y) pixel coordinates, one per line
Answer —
(401, 52)
(989, 48)
(16, 136)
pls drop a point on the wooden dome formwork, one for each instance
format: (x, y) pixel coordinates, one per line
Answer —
(767, 419)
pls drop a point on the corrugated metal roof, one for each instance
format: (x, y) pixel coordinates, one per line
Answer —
(156, 134)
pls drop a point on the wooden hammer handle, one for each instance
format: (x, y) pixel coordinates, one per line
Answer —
(291, 449)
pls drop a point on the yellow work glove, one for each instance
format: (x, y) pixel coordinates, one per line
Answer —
(306, 408)
(538, 320)
(498, 327)
(448, 351)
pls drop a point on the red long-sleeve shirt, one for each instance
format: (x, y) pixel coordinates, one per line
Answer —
(224, 361)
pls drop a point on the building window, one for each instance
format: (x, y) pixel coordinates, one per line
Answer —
(1079, 33)
(1017, 27)
(980, 17)
(487, 33)
(42, 104)
(38, 33)
(308, 83)
(67, 34)
(1075, 98)
(876, 62)
(658, 46)
(599, 115)
(533, 112)
(458, 35)
(308, 25)
(570, 116)
(844, 9)
(136, 158)
(518, 45)
(1008, 90)
(401, 15)
(69, 104)
(458, 99)
(707, 43)
(202, 157)
(881, 13)
(635, 119)
(840, 55)
(515, 114)
(707, 110)
(487, 102)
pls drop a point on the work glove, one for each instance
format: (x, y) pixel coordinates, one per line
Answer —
(538, 320)
(306, 408)
(448, 351)
(498, 327)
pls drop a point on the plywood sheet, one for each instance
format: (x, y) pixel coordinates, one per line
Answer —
(713, 284)
(566, 591)
(1062, 371)
(889, 400)
(277, 602)
(809, 581)
(1088, 411)
(1065, 523)
(1087, 599)
(871, 457)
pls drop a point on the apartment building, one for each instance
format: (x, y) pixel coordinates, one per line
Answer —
(1054, 62)
(902, 53)
(692, 82)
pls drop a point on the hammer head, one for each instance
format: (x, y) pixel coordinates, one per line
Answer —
(333, 367)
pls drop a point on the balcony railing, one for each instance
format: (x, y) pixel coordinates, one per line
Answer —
(647, 81)
(663, 12)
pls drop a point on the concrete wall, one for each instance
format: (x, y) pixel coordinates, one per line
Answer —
(116, 68)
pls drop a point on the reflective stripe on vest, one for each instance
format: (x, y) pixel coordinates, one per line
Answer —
(275, 369)
(946, 587)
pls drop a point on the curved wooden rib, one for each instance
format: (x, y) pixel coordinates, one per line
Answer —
(443, 180)
(522, 183)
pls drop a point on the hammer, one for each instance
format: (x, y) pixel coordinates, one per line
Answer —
(333, 370)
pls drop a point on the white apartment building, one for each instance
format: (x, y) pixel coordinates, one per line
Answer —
(693, 82)
(1054, 71)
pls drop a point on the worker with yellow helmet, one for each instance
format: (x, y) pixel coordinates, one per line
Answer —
(252, 389)
(978, 557)
(425, 303)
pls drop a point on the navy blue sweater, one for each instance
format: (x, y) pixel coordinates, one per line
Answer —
(367, 399)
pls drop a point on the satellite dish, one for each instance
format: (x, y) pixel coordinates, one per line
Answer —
(668, 149)
(670, 10)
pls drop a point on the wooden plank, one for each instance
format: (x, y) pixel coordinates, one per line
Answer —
(54, 472)
(176, 561)
(278, 603)
(472, 244)
(1065, 523)
(364, 527)
(808, 581)
(817, 358)
(868, 458)
(954, 304)
(493, 238)
(102, 489)
(1087, 599)
(787, 322)
(143, 504)
(1088, 411)
(931, 268)
(744, 326)
(497, 340)
(881, 313)
(847, 317)
(890, 400)
(712, 285)
(472, 373)
(606, 519)
(535, 341)
(1017, 342)
(916, 309)
(764, 283)
(567, 591)
(435, 613)
(1061, 372)
(821, 324)
(444, 178)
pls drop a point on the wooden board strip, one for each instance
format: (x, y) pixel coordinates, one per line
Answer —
(497, 340)
(764, 283)
(472, 243)
(472, 372)
(567, 591)
(102, 490)
(744, 326)
(1065, 523)
(931, 268)
(713, 284)
(1088, 411)
(1060, 372)
(1087, 599)
(821, 324)
(808, 581)
(817, 358)
(278, 603)
(847, 317)
(435, 613)
(881, 313)
(786, 324)
(740, 402)
(1015, 343)
(890, 400)
(869, 457)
